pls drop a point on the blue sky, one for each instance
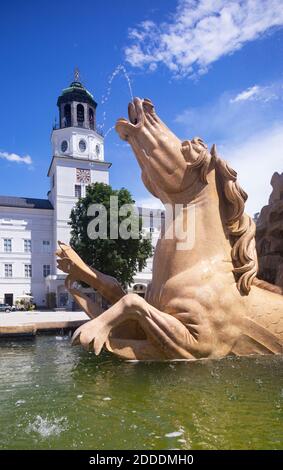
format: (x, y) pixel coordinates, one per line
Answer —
(213, 68)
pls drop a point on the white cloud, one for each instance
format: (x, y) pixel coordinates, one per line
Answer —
(255, 161)
(233, 117)
(248, 133)
(13, 157)
(249, 94)
(200, 32)
(259, 93)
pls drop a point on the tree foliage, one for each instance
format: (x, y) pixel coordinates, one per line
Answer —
(117, 257)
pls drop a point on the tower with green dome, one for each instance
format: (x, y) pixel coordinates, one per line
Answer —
(77, 107)
(78, 155)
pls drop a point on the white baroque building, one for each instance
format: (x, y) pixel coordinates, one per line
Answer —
(30, 228)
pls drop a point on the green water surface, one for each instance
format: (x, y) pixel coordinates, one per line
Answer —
(53, 396)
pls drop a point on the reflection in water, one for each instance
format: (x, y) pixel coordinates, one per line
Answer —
(55, 396)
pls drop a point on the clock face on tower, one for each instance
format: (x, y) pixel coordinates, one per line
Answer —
(83, 176)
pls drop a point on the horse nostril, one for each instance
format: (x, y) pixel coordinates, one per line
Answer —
(135, 121)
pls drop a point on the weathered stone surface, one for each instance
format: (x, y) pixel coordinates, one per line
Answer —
(269, 235)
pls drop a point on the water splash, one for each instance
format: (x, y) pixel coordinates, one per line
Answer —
(120, 69)
(47, 427)
(20, 402)
(175, 433)
(108, 130)
(62, 338)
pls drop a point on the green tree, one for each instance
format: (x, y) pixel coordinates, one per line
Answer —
(117, 257)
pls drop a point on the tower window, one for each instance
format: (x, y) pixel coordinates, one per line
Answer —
(78, 190)
(91, 118)
(67, 116)
(64, 146)
(82, 145)
(80, 115)
(97, 150)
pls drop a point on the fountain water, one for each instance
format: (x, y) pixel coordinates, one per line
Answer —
(73, 400)
(120, 69)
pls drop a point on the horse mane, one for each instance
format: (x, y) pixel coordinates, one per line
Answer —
(239, 226)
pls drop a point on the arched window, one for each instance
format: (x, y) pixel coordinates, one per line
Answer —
(67, 116)
(80, 115)
(91, 118)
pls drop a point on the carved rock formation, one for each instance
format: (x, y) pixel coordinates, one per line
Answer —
(269, 235)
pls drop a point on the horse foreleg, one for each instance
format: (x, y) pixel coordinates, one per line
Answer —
(85, 302)
(72, 264)
(166, 336)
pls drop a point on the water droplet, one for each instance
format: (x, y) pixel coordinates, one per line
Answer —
(174, 433)
(20, 402)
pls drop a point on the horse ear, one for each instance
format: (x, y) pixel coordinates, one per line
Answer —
(199, 142)
(213, 151)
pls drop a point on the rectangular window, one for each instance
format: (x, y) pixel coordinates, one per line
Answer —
(8, 270)
(46, 270)
(78, 190)
(7, 245)
(28, 270)
(27, 246)
(46, 246)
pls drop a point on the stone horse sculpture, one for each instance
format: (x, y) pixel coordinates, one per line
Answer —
(203, 302)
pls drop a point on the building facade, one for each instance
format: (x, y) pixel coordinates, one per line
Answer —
(30, 228)
(26, 247)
